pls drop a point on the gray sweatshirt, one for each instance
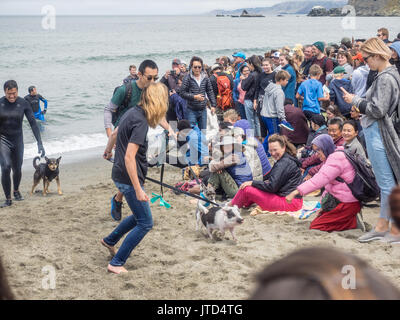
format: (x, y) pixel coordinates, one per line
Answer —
(274, 99)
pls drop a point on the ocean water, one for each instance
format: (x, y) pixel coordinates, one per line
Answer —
(77, 66)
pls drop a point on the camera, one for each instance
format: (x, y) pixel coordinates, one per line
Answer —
(173, 72)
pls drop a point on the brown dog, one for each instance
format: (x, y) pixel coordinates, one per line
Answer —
(46, 171)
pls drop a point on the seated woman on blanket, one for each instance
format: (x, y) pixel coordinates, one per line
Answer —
(231, 169)
(283, 178)
(339, 207)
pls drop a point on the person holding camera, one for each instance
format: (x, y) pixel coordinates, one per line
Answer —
(173, 80)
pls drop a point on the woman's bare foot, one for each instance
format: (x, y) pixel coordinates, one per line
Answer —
(116, 270)
(111, 249)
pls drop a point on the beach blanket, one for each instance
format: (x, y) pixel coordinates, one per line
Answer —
(308, 209)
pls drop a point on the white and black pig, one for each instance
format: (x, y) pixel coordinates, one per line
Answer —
(221, 218)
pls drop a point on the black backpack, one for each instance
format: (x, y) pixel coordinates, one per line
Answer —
(122, 108)
(364, 187)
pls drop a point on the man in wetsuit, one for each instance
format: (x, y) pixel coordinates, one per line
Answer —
(33, 98)
(12, 111)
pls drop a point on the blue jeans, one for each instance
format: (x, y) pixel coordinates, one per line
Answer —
(198, 118)
(252, 117)
(138, 224)
(240, 110)
(272, 125)
(381, 166)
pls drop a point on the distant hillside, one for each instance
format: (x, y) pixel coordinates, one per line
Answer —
(376, 8)
(292, 7)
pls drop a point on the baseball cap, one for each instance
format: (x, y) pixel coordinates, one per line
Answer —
(339, 69)
(276, 54)
(216, 66)
(176, 61)
(240, 55)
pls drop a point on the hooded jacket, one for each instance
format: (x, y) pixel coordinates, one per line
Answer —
(245, 125)
(190, 88)
(290, 89)
(336, 94)
(274, 99)
(396, 46)
(336, 165)
(359, 80)
(382, 99)
(284, 177)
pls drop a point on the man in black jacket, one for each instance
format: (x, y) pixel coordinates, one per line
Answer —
(194, 88)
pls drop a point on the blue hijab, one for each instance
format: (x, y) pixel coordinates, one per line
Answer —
(325, 143)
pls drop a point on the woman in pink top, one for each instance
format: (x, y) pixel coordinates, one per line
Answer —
(339, 207)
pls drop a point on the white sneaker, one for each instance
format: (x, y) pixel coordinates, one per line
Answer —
(391, 238)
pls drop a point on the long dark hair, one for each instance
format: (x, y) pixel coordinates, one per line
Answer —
(255, 62)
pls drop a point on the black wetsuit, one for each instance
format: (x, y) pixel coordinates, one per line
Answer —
(34, 101)
(12, 141)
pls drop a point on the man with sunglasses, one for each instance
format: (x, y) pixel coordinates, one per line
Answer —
(148, 73)
(383, 34)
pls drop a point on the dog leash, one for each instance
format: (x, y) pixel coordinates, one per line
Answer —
(176, 189)
(184, 192)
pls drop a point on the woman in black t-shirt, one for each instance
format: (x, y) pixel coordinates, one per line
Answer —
(130, 169)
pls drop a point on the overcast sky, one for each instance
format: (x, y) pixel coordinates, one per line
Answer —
(126, 7)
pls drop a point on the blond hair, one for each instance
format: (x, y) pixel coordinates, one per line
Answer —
(376, 46)
(154, 102)
(231, 114)
(315, 70)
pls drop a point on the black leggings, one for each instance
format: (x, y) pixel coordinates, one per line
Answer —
(11, 157)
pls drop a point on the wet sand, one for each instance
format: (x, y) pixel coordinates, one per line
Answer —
(62, 234)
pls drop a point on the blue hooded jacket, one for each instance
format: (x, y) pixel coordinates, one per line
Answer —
(336, 94)
(266, 166)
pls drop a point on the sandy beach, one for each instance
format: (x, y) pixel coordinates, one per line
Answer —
(62, 233)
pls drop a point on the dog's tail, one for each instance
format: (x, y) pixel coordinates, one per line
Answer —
(34, 162)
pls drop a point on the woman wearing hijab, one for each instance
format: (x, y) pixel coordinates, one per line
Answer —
(339, 207)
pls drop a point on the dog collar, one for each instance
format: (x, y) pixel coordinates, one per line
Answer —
(204, 197)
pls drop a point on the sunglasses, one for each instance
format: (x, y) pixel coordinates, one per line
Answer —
(149, 78)
(366, 58)
(379, 35)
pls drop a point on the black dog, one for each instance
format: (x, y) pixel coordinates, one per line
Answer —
(46, 171)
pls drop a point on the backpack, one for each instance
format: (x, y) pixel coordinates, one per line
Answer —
(364, 187)
(122, 108)
(224, 98)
